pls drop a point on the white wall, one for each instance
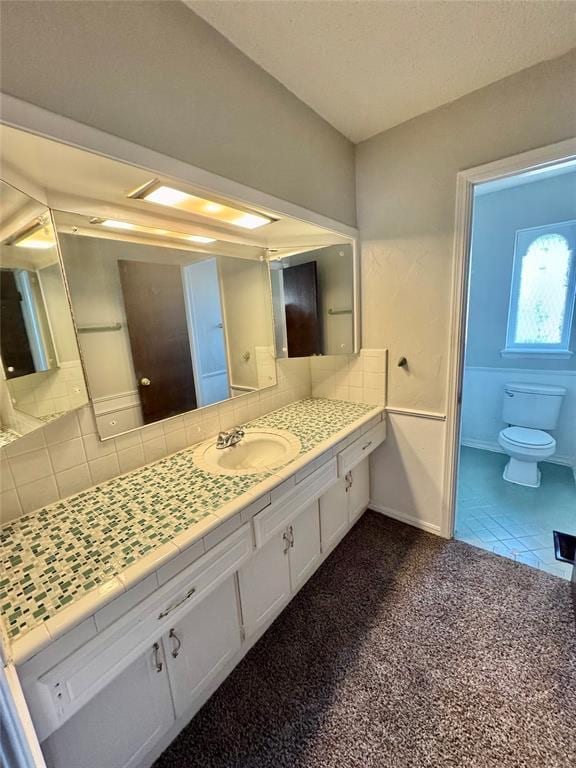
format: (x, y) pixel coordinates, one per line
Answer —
(155, 73)
(406, 184)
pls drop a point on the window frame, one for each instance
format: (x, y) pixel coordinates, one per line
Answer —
(562, 348)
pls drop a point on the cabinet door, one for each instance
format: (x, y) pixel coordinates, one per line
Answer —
(333, 515)
(201, 643)
(305, 545)
(120, 724)
(359, 491)
(264, 583)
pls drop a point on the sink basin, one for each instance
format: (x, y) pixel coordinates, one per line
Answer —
(258, 451)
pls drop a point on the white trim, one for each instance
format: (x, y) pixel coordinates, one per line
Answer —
(416, 413)
(403, 518)
(484, 445)
(17, 726)
(536, 354)
(520, 371)
(117, 402)
(28, 117)
(465, 182)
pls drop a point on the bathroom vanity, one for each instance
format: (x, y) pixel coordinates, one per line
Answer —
(127, 648)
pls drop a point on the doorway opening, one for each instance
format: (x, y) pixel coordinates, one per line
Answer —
(515, 481)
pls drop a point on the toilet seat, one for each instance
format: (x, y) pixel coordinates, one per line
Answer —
(527, 438)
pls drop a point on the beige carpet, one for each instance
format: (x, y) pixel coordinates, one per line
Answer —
(403, 650)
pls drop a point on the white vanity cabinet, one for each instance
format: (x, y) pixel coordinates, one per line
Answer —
(358, 490)
(200, 644)
(121, 723)
(305, 552)
(265, 583)
(343, 504)
(114, 695)
(279, 568)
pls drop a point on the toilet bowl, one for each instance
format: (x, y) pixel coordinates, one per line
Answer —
(526, 447)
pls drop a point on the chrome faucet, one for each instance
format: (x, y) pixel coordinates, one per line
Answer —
(228, 439)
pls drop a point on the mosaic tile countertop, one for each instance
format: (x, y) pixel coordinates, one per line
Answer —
(7, 436)
(59, 554)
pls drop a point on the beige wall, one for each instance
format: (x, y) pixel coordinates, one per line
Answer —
(156, 74)
(406, 183)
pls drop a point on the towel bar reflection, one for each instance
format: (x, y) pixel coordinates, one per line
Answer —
(339, 311)
(99, 328)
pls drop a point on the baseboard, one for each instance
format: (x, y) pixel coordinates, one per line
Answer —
(563, 461)
(403, 518)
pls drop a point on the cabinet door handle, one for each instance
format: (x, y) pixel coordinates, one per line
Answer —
(286, 540)
(177, 645)
(367, 445)
(157, 662)
(170, 608)
(349, 481)
(291, 536)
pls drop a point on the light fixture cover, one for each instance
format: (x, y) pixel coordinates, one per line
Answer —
(175, 198)
(39, 237)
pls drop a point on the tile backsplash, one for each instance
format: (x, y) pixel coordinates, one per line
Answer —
(360, 378)
(66, 455)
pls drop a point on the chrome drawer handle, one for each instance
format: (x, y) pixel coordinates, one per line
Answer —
(157, 662)
(175, 605)
(176, 650)
(367, 445)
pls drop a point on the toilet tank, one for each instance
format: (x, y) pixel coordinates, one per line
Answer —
(532, 405)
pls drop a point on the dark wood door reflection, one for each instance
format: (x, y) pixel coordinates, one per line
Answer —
(14, 342)
(158, 330)
(303, 329)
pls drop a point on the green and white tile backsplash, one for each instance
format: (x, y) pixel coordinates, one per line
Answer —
(67, 456)
(62, 552)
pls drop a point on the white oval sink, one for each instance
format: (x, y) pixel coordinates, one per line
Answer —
(259, 450)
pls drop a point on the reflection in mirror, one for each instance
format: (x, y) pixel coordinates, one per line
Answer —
(164, 328)
(313, 299)
(42, 374)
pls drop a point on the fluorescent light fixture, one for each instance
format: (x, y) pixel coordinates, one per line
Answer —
(201, 239)
(175, 198)
(39, 238)
(116, 224)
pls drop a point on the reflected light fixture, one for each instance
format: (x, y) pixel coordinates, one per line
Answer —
(175, 198)
(39, 237)
(116, 224)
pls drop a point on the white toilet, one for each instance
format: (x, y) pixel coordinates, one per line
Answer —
(529, 409)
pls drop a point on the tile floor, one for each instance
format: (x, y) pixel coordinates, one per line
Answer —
(512, 520)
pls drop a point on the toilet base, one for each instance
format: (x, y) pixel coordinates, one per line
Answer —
(522, 473)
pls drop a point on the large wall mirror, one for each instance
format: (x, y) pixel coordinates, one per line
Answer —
(180, 298)
(163, 328)
(313, 295)
(42, 375)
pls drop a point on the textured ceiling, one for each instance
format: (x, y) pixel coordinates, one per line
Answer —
(367, 65)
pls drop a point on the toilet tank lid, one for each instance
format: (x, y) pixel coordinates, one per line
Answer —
(536, 389)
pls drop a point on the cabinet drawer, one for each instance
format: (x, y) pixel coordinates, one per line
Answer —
(75, 681)
(272, 519)
(355, 453)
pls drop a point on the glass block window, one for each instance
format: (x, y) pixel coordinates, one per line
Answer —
(543, 288)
